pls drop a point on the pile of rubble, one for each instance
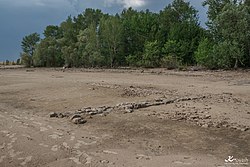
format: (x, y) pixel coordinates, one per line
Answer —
(78, 116)
(203, 119)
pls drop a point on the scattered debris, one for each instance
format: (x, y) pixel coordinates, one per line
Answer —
(53, 115)
(78, 116)
(201, 118)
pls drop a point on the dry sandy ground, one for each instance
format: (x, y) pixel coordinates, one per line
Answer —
(195, 133)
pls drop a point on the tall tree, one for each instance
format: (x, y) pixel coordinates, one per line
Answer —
(233, 23)
(89, 47)
(29, 42)
(182, 31)
(111, 38)
(28, 45)
(53, 31)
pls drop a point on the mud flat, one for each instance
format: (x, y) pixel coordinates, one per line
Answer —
(125, 117)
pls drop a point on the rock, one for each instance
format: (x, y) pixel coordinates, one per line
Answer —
(75, 116)
(205, 126)
(88, 110)
(207, 117)
(78, 121)
(158, 103)
(216, 125)
(104, 161)
(129, 110)
(244, 129)
(93, 113)
(248, 112)
(129, 106)
(187, 157)
(60, 115)
(194, 117)
(53, 115)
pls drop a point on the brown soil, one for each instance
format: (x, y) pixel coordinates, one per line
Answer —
(196, 132)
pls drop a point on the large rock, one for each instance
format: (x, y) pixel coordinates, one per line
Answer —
(53, 115)
(78, 120)
(75, 116)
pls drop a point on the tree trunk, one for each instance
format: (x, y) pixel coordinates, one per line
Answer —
(236, 63)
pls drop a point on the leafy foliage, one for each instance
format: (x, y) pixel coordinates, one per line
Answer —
(171, 38)
(29, 44)
(204, 55)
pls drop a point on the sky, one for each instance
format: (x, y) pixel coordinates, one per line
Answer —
(19, 18)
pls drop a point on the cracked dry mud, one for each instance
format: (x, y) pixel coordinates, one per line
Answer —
(210, 123)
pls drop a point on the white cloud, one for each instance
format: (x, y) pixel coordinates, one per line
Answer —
(126, 3)
(34, 3)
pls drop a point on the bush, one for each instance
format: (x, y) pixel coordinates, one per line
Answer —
(204, 55)
(151, 55)
(228, 55)
(26, 59)
(134, 60)
(170, 62)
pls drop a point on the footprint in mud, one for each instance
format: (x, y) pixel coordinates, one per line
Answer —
(2, 158)
(88, 158)
(12, 135)
(110, 152)
(81, 157)
(182, 163)
(13, 140)
(56, 135)
(43, 129)
(37, 123)
(65, 145)
(43, 145)
(50, 127)
(9, 146)
(27, 136)
(26, 160)
(77, 146)
(80, 143)
(144, 157)
(2, 146)
(4, 131)
(72, 138)
(76, 160)
(13, 154)
(85, 143)
(55, 148)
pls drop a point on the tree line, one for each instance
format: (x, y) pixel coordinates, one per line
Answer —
(170, 38)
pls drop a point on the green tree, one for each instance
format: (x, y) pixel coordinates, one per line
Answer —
(152, 54)
(28, 45)
(111, 38)
(7, 62)
(18, 61)
(48, 53)
(88, 44)
(139, 27)
(172, 51)
(233, 25)
(25, 59)
(204, 55)
(53, 31)
(69, 43)
(180, 28)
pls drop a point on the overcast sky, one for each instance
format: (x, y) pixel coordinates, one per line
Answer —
(22, 17)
